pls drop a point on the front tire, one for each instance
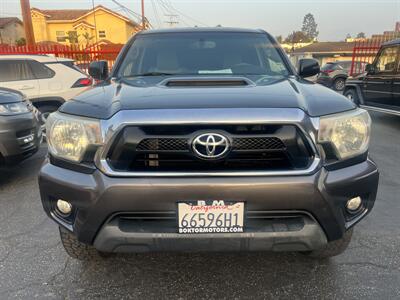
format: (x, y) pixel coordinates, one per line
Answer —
(77, 249)
(45, 111)
(339, 84)
(333, 248)
(352, 95)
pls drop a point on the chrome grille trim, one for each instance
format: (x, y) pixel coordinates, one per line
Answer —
(229, 116)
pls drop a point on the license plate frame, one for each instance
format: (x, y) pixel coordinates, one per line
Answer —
(220, 209)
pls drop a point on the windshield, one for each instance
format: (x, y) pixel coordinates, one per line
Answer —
(331, 67)
(202, 53)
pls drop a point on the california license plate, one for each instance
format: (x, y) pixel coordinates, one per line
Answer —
(210, 217)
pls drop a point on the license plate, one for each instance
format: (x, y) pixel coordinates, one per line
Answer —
(210, 217)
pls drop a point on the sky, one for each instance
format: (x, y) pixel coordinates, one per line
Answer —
(335, 19)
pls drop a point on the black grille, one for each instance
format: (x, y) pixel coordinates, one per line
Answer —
(256, 221)
(258, 143)
(24, 133)
(182, 144)
(168, 149)
(163, 144)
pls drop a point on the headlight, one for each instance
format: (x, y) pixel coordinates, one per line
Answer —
(70, 137)
(13, 108)
(348, 132)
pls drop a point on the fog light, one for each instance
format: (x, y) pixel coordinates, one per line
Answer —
(64, 207)
(353, 204)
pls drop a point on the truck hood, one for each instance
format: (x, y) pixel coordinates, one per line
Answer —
(106, 99)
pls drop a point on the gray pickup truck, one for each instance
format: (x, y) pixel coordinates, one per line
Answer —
(207, 139)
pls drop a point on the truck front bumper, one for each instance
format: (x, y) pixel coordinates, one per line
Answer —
(283, 213)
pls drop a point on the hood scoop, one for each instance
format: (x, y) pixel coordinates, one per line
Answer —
(207, 82)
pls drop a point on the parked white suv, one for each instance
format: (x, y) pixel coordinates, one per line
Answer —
(47, 81)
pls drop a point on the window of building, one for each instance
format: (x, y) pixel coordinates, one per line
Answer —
(102, 33)
(61, 36)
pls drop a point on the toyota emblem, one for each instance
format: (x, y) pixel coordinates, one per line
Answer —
(210, 145)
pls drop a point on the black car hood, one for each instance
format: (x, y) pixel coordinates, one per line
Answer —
(10, 96)
(105, 100)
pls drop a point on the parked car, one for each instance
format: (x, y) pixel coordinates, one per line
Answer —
(379, 87)
(207, 139)
(20, 130)
(334, 74)
(46, 80)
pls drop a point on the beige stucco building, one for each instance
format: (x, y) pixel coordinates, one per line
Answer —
(11, 30)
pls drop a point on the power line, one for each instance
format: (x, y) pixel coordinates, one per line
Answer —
(169, 6)
(130, 12)
(168, 13)
(173, 19)
(173, 16)
(158, 20)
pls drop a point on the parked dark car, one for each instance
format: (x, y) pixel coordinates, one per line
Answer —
(379, 87)
(20, 132)
(334, 74)
(207, 139)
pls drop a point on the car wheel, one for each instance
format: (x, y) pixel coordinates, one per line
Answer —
(79, 250)
(333, 248)
(45, 111)
(351, 94)
(339, 84)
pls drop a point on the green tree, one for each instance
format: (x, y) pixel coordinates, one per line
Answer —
(87, 38)
(310, 27)
(20, 42)
(72, 36)
(361, 35)
(279, 38)
(297, 37)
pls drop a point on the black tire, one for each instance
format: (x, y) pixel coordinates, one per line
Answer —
(78, 250)
(352, 95)
(339, 84)
(333, 248)
(45, 110)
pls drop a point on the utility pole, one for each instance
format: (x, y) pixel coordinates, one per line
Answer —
(173, 20)
(27, 19)
(143, 17)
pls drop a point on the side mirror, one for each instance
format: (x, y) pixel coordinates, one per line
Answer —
(308, 67)
(370, 68)
(99, 70)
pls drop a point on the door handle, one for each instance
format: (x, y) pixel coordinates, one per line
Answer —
(27, 87)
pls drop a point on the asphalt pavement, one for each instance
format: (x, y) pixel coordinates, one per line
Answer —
(34, 265)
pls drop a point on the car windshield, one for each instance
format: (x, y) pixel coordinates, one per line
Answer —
(202, 53)
(330, 67)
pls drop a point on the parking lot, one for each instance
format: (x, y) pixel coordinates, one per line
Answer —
(33, 263)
